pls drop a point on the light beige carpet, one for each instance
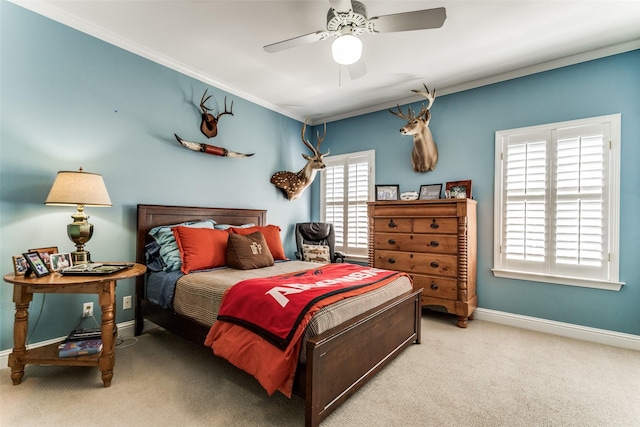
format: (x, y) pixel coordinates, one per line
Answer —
(485, 375)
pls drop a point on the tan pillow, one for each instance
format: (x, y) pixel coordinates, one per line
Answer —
(245, 252)
(316, 253)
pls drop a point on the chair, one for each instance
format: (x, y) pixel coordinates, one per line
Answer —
(316, 241)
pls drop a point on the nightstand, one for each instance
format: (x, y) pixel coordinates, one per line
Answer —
(55, 283)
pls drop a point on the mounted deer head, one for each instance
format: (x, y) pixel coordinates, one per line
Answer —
(209, 125)
(293, 184)
(424, 156)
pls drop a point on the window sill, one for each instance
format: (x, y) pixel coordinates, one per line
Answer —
(560, 280)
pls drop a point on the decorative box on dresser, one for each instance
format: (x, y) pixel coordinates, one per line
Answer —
(435, 242)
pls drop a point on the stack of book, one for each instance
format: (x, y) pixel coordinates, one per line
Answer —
(80, 342)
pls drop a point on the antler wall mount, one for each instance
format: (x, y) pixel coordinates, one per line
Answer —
(424, 156)
(209, 125)
(209, 128)
(293, 184)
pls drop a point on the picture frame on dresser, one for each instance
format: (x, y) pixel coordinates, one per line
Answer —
(387, 192)
(430, 191)
(459, 189)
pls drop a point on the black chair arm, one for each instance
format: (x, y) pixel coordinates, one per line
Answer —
(339, 256)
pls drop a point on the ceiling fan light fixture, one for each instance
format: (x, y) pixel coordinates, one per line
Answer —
(346, 49)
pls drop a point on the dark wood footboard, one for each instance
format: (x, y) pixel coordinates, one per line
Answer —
(343, 359)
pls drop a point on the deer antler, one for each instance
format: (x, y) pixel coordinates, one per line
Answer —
(399, 113)
(314, 150)
(431, 96)
(225, 109)
(205, 109)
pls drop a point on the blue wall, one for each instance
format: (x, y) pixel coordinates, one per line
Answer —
(464, 126)
(69, 100)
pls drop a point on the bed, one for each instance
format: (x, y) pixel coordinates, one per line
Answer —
(337, 362)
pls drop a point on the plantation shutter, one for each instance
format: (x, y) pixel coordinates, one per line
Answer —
(581, 196)
(554, 200)
(346, 190)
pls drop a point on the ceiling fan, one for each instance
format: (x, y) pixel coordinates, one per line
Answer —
(347, 19)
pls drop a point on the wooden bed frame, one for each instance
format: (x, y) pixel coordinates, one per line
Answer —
(339, 361)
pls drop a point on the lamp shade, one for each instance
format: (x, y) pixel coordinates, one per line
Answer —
(78, 188)
(346, 49)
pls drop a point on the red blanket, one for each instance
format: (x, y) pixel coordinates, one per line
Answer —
(261, 331)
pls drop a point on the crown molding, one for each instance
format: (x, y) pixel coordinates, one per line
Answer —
(49, 11)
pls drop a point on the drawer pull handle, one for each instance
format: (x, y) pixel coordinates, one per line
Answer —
(434, 224)
(392, 242)
(435, 264)
(392, 224)
(392, 261)
(434, 243)
(434, 286)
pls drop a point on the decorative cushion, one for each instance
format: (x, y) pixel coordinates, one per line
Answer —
(271, 234)
(169, 251)
(201, 248)
(245, 252)
(316, 253)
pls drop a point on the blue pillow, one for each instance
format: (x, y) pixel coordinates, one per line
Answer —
(169, 251)
(228, 226)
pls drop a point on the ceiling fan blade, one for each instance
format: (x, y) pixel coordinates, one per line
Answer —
(357, 70)
(341, 5)
(296, 41)
(409, 21)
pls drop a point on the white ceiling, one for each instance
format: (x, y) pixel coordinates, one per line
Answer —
(221, 43)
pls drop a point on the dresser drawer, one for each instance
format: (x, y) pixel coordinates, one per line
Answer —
(427, 243)
(393, 225)
(443, 265)
(438, 287)
(435, 225)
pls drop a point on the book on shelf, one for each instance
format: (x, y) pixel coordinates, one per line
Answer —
(79, 334)
(79, 348)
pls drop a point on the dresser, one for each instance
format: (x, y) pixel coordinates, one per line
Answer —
(435, 242)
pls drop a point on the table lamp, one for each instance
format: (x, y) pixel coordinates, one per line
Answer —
(80, 189)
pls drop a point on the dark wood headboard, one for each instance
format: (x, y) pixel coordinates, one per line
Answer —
(150, 216)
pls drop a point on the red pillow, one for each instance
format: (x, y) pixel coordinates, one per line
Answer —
(201, 248)
(271, 234)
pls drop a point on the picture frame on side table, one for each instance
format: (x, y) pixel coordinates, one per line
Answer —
(459, 189)
(20, 265)
(387, 192)
(36, 264)
(60, 261)
(45, 254)
(430, 191)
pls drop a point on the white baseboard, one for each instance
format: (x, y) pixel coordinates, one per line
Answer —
(585, 333)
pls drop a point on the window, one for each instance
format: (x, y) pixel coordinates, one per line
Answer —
(557, 203)
(346, 186)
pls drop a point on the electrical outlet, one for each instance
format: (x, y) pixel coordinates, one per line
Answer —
(126, 303)
(87, 309)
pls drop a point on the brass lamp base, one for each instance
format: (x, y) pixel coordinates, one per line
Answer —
(82, 257)
(80, 232)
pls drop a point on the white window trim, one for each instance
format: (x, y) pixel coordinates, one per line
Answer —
(371, 154)
(613, 283)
